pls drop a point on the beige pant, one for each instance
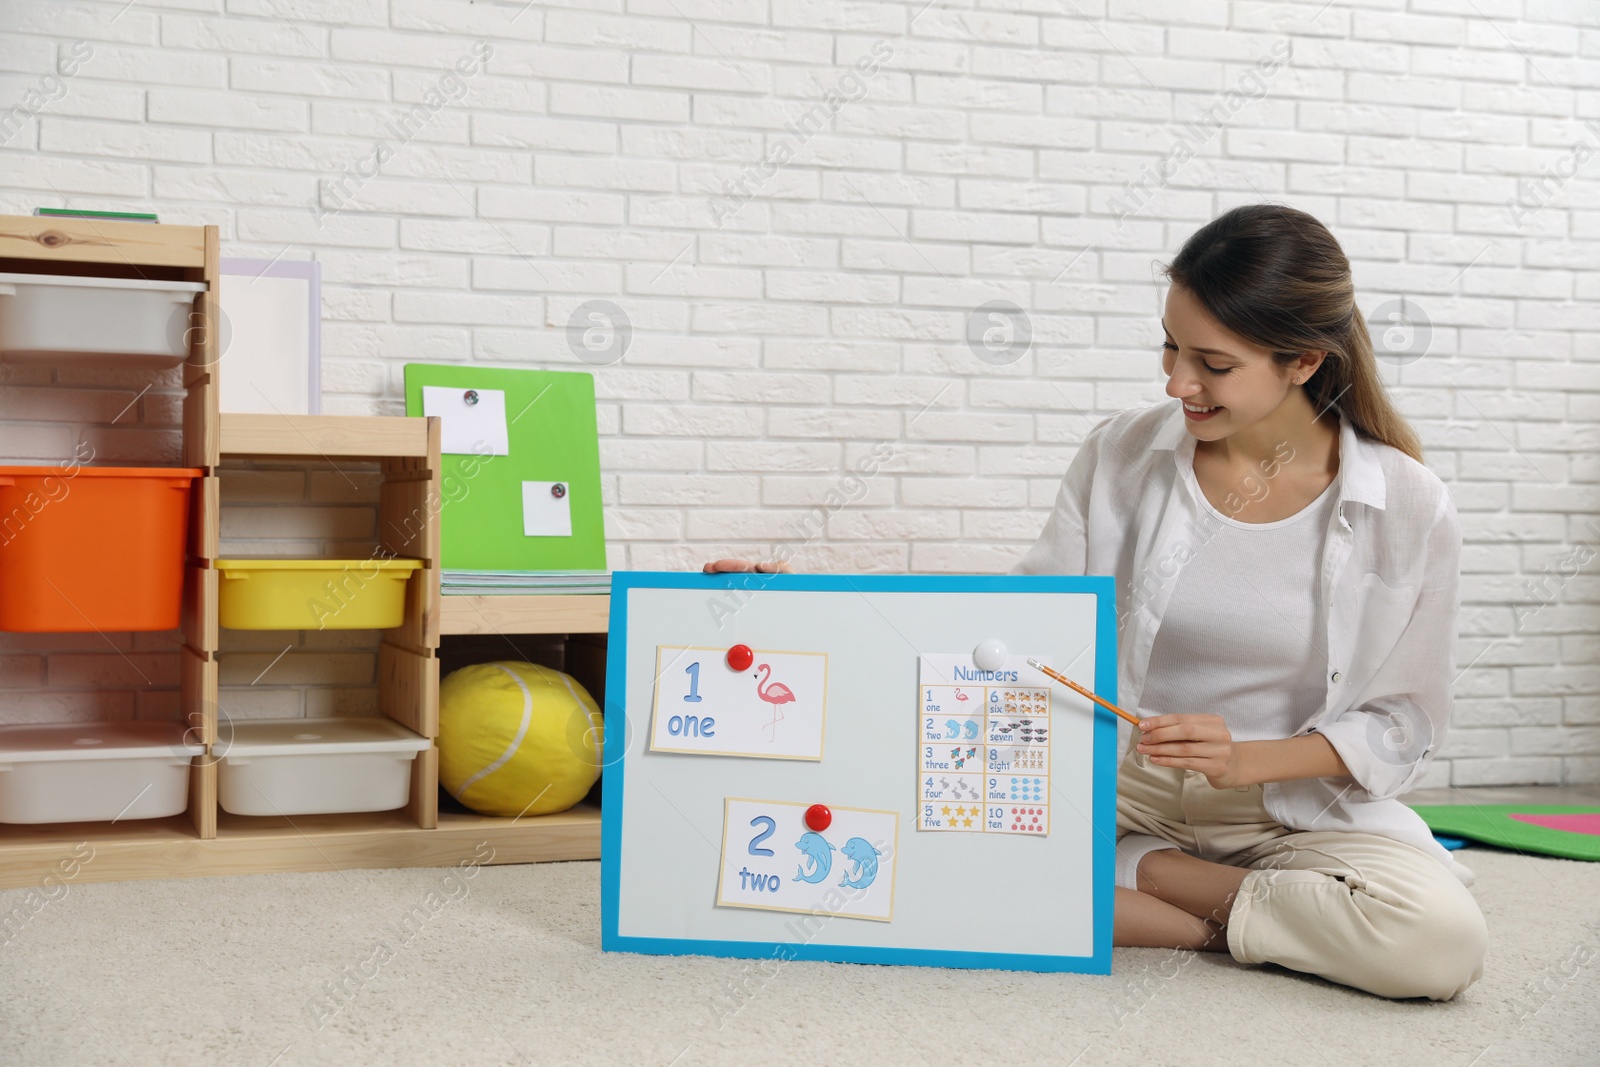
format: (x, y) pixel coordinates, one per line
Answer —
(1358, 909)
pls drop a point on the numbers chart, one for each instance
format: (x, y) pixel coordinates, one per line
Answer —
(983, 752)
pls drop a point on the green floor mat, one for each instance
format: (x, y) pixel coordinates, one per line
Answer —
(1551, 829)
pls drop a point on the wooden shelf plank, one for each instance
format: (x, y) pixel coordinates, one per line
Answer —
(555, 613)
(199, 614)
(102, 241)
(203, 797)
(169, 848)
(202, 398)
(325, 436)
(408, 688)
(423, 807)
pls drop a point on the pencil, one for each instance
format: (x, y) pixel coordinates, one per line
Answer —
(1076, 688)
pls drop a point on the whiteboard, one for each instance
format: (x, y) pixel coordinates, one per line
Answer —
(271, 340)
(959, 899)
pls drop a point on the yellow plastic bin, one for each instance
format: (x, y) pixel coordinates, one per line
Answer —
(313, 594)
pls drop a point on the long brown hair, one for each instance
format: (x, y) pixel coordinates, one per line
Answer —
(1276, 277)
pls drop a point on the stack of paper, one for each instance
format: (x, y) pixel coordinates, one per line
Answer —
(521, 583)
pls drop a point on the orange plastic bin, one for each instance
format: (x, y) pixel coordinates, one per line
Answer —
(92, 548)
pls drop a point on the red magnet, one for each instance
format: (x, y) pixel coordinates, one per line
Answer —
(818, 817)
(740, 657)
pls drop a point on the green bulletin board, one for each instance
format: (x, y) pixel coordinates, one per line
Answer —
(520, 477)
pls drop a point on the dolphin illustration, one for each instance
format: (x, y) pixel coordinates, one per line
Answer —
(864, 859)
(952, 729)
(972, 729)
(816, 849)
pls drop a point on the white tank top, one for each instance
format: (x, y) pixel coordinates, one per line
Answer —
(1245, 634)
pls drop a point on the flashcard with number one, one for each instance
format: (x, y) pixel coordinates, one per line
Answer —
(774, 707)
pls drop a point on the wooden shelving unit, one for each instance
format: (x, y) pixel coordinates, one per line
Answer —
(205, 841)
(169, 848)
(407, 453)
(584, 621)
(115, 249)
(420, 836)
(543, 614)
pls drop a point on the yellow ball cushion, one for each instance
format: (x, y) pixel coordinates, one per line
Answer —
(517, 739)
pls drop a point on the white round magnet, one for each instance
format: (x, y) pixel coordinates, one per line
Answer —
(990, 655)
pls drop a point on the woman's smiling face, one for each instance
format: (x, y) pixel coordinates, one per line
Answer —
(1225, 382)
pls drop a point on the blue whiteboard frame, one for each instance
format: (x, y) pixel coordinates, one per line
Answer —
(1104, 761)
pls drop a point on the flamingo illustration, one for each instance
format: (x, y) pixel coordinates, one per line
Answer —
(774, 693)
(770, 691)
(960, 695)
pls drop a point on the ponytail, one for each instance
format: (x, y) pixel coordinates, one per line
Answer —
(1276, 277)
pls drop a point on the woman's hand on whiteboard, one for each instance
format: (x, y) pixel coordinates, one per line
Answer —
(744, 566)
(1193, 743)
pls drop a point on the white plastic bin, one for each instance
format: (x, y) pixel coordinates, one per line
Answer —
(94, 772)
(315, 766)
(128, 321)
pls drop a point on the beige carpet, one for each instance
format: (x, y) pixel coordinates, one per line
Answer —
(506, 970)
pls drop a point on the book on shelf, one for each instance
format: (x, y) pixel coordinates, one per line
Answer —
(458, 582)
(85, 213)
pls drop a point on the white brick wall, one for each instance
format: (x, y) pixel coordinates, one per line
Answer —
(784, 330)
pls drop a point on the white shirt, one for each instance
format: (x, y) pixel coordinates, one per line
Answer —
(1389, 584)
(1243, 635)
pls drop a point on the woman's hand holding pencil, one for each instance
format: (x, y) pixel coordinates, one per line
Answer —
(1185, 742)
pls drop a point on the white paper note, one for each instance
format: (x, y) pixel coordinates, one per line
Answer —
(546, 509)
(467, 427)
